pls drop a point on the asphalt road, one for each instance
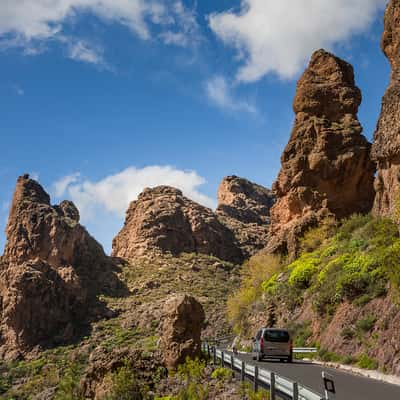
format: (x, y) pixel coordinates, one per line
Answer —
(348, 386)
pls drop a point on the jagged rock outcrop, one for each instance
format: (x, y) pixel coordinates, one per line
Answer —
(181, 330)
(163, 219)
(52, 270)
(386, 146)
(326, 167)
(244, 207)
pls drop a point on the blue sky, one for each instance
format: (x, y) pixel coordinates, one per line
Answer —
(101, 98)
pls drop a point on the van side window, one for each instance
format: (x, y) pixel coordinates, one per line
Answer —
(258, 336)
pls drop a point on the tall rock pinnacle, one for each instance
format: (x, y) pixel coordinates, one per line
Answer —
(326, 167)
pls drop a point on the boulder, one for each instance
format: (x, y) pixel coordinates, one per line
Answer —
(386, 146)
(164, 220)
(244, 207)
(326, 167)
(181, 330)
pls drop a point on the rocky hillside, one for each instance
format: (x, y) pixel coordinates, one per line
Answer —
(326, 166)
(73, 319)
(244, 207)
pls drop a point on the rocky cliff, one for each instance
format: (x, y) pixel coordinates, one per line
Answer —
(244, 207)
(386, 146)
(52, 270)
(326, 167)
(162, 219)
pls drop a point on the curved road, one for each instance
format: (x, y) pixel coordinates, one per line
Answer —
(348, 386)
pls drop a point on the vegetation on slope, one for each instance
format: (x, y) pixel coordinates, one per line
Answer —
(352, 262)
(125, 344)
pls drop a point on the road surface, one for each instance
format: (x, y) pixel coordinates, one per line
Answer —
(348, 386)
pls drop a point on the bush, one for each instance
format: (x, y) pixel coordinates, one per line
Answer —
(347, 333)
(192, 369)
(366, 324)
(303, 270)
(222, 374)
(69, 387)
(125, 385)
(366, 362)
(255, 272)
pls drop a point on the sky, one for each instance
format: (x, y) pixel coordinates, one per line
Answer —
(102, 98)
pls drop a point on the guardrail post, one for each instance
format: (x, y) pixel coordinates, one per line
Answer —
(214, 353)
(232, 363)
(256, 378)
(222, 359)
(272, 394)
(243, 371)
(295, 391)
(208, 351)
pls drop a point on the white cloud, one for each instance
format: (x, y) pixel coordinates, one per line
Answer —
(114, 192)
(279, 36)
(24, 23)
(82, 51)
(220, 94)
(60, 186)
(186, 30)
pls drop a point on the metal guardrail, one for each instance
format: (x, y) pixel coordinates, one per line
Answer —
(305, 350)
(277, 384)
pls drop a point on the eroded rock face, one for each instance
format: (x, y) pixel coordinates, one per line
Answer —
(163, 219)
(52, 270)
(386, 146)
(181, 330)
(244, 207)
(326, 167)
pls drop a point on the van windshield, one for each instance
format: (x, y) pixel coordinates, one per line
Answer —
(277, 336)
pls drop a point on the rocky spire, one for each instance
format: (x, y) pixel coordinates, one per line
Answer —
(326, 167)
(51, 273)
(386, 146)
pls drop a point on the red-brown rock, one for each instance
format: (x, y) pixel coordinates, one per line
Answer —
(181, 330)
(386, 146)
(244, 207)
(52, 270)
(326, 167)
(163, 219)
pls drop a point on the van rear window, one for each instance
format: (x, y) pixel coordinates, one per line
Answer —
(276, 336)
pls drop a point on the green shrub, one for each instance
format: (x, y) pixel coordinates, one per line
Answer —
(192, 369)
(328, 356)
(222, 374)
(255, 272)
(347, 333)
(69, 386)
(303, 270)
(366, 362)
(125, 385)
(366, 324)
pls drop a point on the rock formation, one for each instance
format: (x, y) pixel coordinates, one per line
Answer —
(181, 330)
(244, 207)
(52, 270)
(163, 219)
(386, 146)
(326, 167)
